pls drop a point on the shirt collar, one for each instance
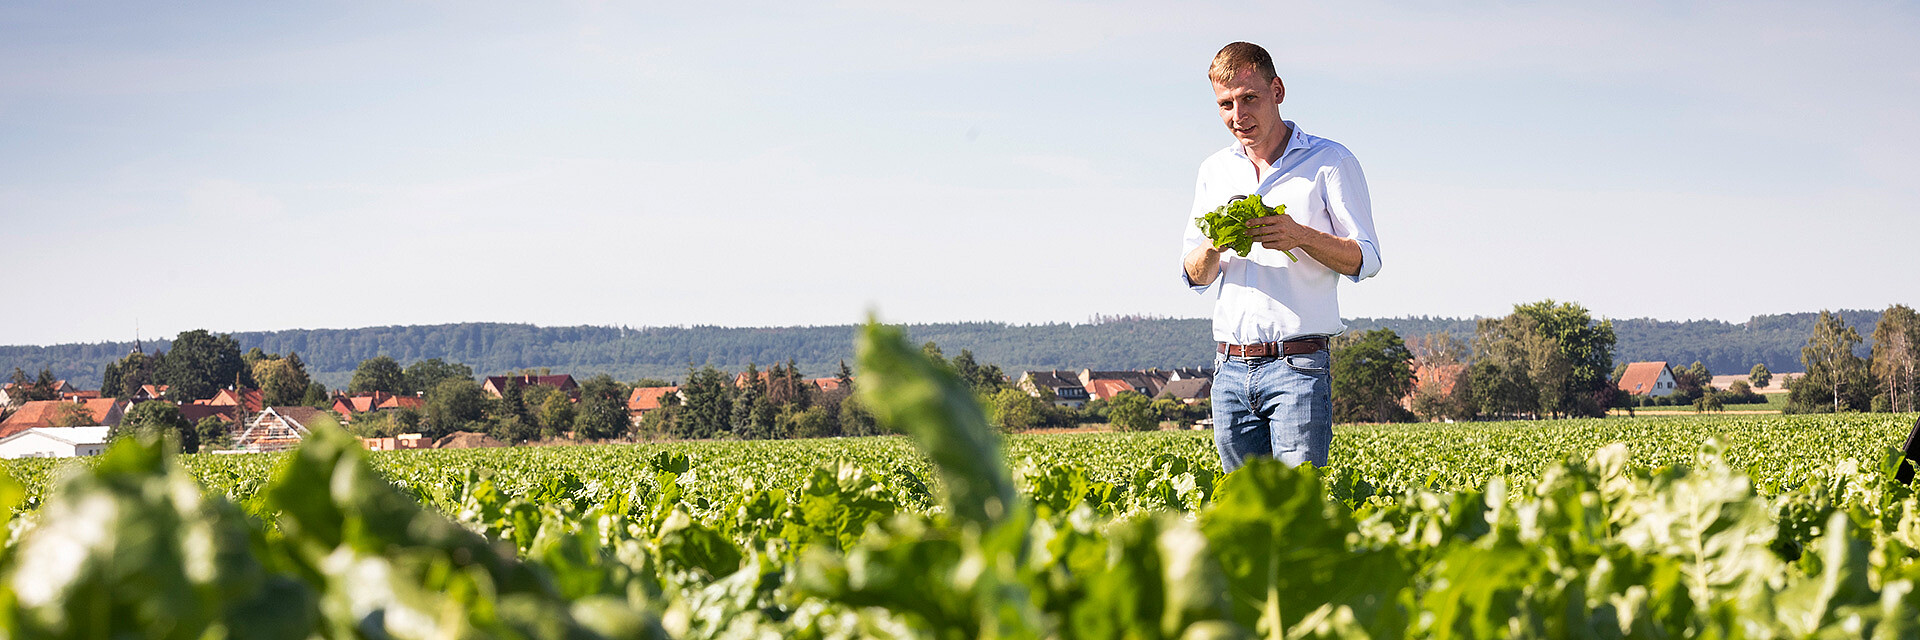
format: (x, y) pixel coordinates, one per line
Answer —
(1297, 140)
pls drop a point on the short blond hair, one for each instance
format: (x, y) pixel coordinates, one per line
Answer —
(1238, 57)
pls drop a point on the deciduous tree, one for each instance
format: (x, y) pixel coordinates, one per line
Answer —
(556, 413)
(213, 432)
(159, 418)
(453, 405)
(600, 418)
(201, 364)
(124, 377)
(1759, 376)
(1014, 409)
(1577, 382)
(426, 374)
(1372, 372)
(378, 373)
(1131, 411)
(1836, 379)
(281, 382)
(1896, 353)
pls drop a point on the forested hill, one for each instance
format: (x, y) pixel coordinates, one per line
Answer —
(666, 352)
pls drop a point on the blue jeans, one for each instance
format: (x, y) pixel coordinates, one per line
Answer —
(1277, 406)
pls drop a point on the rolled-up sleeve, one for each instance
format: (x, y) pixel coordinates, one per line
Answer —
(1193, 239)
(1352, 212)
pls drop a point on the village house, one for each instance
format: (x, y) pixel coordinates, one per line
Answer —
(8, 393)
(497, 385)
(278, 428)
(1188, 390)
(1146, 383)
(55, 442)
(49, 413)
(1067, 389)
(1107, 388)
(644, 400)
(1652, 379)
(348, 405)
(194, 413)
(248, 400)
(1189, 373)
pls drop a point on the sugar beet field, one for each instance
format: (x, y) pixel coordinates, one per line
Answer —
(1777, 452)
(1679, 527)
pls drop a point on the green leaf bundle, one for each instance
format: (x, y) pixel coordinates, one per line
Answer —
(1226, 226)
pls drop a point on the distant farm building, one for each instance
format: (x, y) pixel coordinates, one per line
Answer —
(53, 413)
(55, 442)
(8, 391)
(1065, 386)
(1652, 379)
(1146, 383)
(248, 400)
(1188, 390)
(646, 399)
(497, 385)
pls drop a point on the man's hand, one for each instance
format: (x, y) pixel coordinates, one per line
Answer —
(1279, 232)
(1283, 233)
(1203, 264)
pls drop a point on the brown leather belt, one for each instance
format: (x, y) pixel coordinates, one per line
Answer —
(1295, 347)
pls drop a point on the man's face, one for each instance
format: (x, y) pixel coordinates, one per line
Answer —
(1250, 107)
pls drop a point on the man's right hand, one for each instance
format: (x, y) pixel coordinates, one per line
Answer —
(1203, 264)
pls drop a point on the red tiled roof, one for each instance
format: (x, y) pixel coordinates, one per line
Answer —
(648, 398)
(58, 385)
(1641, 376)
(35, 413)
(1106, 389)
(404, 402)
(827, 384)
(41, 413)
(303, 415)
(196, 412)
(251, 399)
(496, 384)
(1188, 389)
(365, 402)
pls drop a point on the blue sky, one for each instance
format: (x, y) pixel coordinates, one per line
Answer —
(254, 166)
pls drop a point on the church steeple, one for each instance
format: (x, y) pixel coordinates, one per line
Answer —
(136, 340)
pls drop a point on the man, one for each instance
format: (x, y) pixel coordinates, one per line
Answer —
(1272, 392)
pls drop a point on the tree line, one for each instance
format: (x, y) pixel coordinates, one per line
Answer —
(1839, 380)
(330, 355)
(1545, 360)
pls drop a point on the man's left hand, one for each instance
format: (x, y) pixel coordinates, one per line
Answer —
(1279, 232)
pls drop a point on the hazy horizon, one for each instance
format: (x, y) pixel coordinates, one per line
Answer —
(1088, 321)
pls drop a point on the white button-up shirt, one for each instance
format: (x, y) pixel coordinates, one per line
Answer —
(1263, 297)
